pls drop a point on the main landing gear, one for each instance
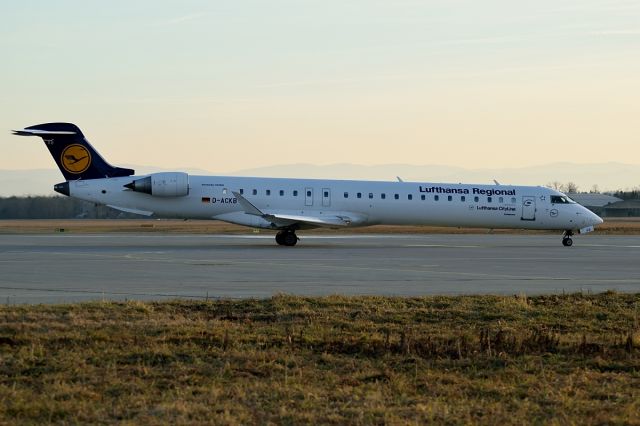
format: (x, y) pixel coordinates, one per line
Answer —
(287, 237)
(566, 238)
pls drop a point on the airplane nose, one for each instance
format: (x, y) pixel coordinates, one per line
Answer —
(598, 219)
(595, 219)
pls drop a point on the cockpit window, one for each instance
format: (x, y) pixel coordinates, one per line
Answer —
(561, 199)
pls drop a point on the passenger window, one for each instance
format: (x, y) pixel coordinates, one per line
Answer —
(346, 195)
(254, 192)
(371, 195)
(383, 196)
(501, 200)
(488, 199)
(295, 193)
(410, 197)
(359, 195)
(513, 199)
(397, 197)
(450, 198)
(437, 197)
(241, 191)
(268, 192)
(281, 193)
(423, 197)
(476, 199)
(463, 198)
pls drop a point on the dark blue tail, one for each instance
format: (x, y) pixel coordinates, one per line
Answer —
(73, 154)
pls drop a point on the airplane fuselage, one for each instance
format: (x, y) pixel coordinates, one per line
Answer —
(364, 203)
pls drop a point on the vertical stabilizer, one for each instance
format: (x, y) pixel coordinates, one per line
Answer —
(73, 154)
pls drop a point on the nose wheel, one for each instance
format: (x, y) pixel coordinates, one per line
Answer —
(287, 238)
(566, 239)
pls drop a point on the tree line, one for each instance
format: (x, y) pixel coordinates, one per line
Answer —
(572, 188)
(56, 207)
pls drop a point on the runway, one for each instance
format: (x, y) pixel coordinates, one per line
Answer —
(54, 268)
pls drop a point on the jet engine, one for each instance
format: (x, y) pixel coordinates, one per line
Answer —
(167, 184)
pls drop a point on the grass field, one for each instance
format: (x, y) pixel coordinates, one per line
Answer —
(570, 359)
(612, 226)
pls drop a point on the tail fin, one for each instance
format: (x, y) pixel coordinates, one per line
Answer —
(74, 155)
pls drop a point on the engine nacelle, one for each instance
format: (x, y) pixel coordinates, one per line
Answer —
(166, 184)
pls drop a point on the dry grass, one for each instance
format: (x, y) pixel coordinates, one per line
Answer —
(610, 227)
(336, 360)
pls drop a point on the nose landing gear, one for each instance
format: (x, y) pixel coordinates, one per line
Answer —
(287, 237)
(566, 238)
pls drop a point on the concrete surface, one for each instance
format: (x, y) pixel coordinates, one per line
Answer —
(57, 268)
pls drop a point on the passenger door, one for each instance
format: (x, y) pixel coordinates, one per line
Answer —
(326, 197)
(528, 208)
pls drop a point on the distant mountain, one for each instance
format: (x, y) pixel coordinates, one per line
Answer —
(608, 176)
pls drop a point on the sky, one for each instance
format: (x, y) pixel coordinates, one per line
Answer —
(231, 85)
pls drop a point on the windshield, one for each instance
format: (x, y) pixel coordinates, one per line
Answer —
(561, 199)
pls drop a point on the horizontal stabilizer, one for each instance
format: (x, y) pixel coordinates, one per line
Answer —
(34, 132)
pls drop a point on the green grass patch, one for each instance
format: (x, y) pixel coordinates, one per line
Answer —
(330, 360)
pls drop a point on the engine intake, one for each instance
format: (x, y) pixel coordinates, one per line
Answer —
(168, 184)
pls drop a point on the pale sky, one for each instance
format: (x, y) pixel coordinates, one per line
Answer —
(229, 85)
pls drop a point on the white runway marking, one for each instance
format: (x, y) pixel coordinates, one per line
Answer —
(441, 245)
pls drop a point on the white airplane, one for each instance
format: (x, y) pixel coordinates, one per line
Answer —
(289, 205)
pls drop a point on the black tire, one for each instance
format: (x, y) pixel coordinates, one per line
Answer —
(567, 242)
(290, 239)
(280, 238)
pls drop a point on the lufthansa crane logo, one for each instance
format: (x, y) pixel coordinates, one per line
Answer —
(75, 159)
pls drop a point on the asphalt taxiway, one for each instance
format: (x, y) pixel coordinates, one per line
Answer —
(53, 268)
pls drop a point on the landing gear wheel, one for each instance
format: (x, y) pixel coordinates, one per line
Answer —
(286, 238)
(290, 239)
(566, 238)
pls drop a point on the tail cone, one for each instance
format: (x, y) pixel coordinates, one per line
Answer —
(62, 188)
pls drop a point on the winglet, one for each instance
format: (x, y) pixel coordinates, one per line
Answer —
(247, 206)
(399, 179)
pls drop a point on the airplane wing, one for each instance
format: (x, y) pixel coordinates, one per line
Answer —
(128, 210)
(333, 219)
(328, 220)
